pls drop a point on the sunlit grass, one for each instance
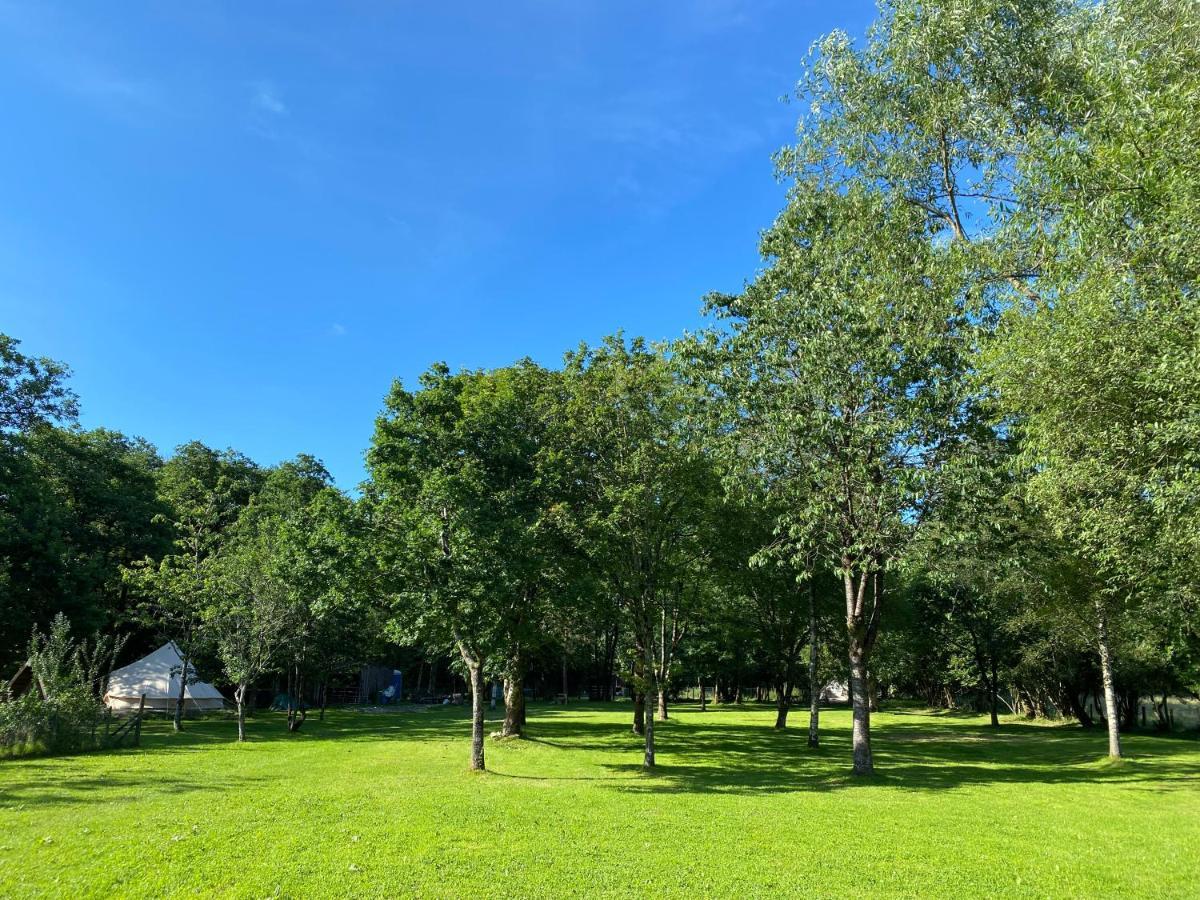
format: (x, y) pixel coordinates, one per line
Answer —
(382, 805)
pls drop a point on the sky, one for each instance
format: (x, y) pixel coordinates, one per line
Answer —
(240, 222)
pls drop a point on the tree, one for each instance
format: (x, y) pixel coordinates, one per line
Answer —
(309, 543)
(246, 614)
(643, 510)
(206, 491)
(78, 506)
(33, 391)
(460, 510)
(1099, 370)
(842, 370)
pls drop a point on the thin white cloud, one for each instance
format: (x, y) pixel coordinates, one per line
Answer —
(266, 98)
(337, 329)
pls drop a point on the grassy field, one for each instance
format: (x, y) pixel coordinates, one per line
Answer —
(382, 805)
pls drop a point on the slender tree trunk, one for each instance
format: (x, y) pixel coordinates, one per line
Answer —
(610, 662)
(1106, 672)
(995, 692)
(814, 686)
(296, 711)
(182, 698)
(639, 712)
(239, 696)
(566, 684)
(662, 703)
(648, 757)
(477, 709)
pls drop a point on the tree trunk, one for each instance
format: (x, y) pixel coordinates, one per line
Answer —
(296, 711)
(325, 697)
(814, 686)
(239, 696)
(1106, 672)
(783, 702)
(181, 699)
(609, 674)
(566, 684)
(639, 712)
(860, 631)
(662, 703)
(703, 696)
(514, 706)
(994, 689)
(477, 701)
(648, 757)
(863, 764)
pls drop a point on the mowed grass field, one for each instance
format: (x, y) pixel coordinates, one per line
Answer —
(381, 805)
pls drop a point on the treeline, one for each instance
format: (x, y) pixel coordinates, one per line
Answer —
(945, 444)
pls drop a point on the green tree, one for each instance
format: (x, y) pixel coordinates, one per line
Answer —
(246, 613)
(461, 514)
(1099, 370)
(841, 368)
(33, 390)
(643, 508)
(206, 491)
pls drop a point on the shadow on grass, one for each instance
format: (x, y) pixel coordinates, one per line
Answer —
(46, 786)
(910, 756)
(712, 752)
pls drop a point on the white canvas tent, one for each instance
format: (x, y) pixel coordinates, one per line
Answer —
(157, 676)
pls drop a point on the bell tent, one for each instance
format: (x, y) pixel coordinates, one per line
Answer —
(157, 676)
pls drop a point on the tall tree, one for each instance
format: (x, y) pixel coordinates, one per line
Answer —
(460, 509)
(842, 369)
(1099, 369)
(644, 507)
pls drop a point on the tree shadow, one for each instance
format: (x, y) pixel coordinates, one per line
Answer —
(46, 786)
(711, 752)
(915, 757)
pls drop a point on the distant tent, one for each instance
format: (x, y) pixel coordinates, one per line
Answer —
(157, 676)
(833, 692)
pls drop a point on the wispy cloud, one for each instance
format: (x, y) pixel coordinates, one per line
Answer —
(52, 47)
(337, 329)
(266, 99)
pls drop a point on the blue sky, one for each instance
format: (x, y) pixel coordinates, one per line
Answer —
(239, 222)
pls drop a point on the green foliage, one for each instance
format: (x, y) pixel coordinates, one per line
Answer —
(461, 500)
(33, 391)
(60, 712)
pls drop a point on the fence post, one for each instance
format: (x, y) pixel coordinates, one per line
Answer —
(137, 729)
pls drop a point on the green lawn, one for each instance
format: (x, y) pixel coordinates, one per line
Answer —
(382, 805)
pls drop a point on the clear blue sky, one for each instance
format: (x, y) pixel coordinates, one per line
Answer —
(238, 222)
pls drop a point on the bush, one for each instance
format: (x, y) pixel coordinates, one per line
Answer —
(61, 712)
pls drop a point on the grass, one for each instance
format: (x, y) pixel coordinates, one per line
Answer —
(381, 805)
